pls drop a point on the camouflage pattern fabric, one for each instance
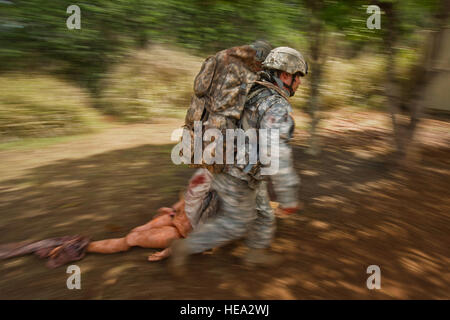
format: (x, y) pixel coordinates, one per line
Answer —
(244, 200)
(262, 229)
(268, 109)
(220, 91)
(222, 85)
(198, 198)
(237, 217)
(286, 59)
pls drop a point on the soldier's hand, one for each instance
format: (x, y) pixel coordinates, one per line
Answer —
(289, 211)
(281, 212)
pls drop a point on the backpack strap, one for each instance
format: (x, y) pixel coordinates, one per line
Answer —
(274, 87)
(270, 85)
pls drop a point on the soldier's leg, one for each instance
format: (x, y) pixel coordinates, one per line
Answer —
(261, 233)
(262, 229)
(237, 210)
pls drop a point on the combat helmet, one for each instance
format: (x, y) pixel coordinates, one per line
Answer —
(286, 59)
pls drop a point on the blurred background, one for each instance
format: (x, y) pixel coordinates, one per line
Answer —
(86, 116)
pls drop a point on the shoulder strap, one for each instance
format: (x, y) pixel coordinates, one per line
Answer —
(274, 87)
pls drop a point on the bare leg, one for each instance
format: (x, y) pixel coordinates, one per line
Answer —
(153, 238)
(160, 221)
(108, 246)
(157, 233)
(179, 205)
(163, 218)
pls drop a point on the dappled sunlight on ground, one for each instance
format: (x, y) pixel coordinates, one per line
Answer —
(358, 211)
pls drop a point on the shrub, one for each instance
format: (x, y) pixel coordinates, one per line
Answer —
(33, 105)
(154, 81)
(355, 82)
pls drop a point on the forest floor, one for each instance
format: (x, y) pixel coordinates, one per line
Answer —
(360, 209)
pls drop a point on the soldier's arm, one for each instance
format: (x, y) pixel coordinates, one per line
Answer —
(285, 181)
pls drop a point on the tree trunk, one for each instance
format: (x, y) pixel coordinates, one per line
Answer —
(315, 46)
(425, 75)
(392, 88)
(404, 132)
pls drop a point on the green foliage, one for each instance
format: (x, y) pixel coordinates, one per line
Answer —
(34, 31)
(353, 82)
(40, 105)
(149, 82)
(135, 86)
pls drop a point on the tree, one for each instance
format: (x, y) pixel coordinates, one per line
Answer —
(411, 104)
(325, 15)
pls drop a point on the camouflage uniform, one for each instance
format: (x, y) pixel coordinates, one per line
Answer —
(237, 216)
(244, 200)
(268, 108)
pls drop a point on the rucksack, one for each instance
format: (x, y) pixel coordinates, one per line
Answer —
(220, 92)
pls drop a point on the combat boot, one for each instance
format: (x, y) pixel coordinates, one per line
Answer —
(262, 258)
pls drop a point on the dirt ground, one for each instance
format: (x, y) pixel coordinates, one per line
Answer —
(360, 210)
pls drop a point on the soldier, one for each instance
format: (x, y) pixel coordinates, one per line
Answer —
(242, 190)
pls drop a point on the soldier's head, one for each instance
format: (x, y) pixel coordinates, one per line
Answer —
(286, 66)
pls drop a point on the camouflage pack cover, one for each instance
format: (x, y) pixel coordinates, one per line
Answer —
(221, 88)
(222, 85)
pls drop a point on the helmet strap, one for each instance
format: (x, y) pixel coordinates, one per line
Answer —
(281, 84)
(278, 81)
(291, 90)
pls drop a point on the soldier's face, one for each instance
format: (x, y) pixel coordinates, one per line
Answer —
(287, 78)
(297, 82)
